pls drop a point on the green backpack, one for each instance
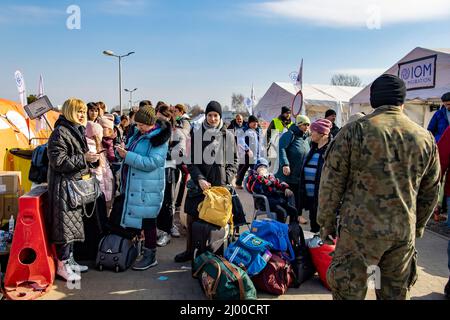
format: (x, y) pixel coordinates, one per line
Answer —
(222, 280)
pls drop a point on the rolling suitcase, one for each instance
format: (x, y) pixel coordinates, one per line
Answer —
(208, 237)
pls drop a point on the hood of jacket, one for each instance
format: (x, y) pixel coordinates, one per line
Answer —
(161, 136)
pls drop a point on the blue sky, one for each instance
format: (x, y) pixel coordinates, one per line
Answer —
(196, 51)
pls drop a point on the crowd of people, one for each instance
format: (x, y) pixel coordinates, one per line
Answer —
(361, 183)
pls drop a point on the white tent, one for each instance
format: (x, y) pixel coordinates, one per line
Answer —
(317, 99)
(426, 73)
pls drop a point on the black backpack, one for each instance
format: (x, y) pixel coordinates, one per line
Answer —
(116, 253)
(39, 165)
(303, 266)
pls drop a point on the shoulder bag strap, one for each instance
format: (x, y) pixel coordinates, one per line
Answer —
(238, 277)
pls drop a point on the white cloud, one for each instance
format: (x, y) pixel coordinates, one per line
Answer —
(124, 7)
(28, 14)
(354, 13)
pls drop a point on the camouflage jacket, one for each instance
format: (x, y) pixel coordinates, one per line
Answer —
(382, 174)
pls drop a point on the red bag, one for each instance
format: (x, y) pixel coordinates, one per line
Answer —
(276, 277)
(321, 257)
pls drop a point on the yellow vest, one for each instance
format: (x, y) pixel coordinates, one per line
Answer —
(279, 125)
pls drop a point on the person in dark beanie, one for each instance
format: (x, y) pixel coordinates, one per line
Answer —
(143, 180)
(331, 116)
(381, 175)
(441, 119)
(132, 128)
(250, 148)
(213, 163)
(281, 123)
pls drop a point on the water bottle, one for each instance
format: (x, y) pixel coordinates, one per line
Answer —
(11, 225)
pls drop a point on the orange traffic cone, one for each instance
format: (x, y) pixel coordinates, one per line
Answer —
(31, 269)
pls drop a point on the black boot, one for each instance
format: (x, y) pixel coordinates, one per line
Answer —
(183, 257)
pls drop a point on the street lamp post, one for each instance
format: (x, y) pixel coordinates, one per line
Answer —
(131, 96)
(111, 54)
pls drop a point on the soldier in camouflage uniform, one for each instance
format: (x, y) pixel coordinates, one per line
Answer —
(381, 174)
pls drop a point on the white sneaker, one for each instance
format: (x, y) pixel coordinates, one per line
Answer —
(175, 232)
(66, 272)
(163, 240)
(159, 233)
(77, 267)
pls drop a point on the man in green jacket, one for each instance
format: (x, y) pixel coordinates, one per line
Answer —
(381, 175)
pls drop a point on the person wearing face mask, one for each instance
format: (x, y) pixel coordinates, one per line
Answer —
(69, 159)
(214, 162)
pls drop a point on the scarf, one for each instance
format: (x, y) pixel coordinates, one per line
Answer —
(207, 126)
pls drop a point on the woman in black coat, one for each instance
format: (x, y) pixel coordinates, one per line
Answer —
(214, 163)
(68, 159)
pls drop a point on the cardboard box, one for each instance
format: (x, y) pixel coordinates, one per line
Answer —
(10, 182)
(9, 206)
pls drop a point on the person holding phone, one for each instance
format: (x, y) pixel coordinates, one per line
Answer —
(143, 180)
(69, 159)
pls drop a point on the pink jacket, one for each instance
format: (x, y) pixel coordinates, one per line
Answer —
(103, 172)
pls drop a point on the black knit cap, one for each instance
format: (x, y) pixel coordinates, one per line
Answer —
(214, 106)
(446, 97)
(146, 115)
(252, 119)
(285, 110)
(330, 112)
(387, 90)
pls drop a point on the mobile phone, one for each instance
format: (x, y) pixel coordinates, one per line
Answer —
(100, 152)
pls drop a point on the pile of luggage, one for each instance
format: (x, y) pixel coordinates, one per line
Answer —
(271, 257)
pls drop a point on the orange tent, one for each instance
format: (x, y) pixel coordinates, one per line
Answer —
(14, 134)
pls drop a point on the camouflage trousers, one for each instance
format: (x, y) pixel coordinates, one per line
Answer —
(392, 264)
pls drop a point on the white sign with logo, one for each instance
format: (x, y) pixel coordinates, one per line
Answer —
(419, 73)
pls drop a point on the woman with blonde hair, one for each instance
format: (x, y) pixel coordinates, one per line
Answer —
(69, 159)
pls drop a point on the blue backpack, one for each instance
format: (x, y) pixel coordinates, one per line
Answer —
(276, 233)
(39, 165)
(248, 253)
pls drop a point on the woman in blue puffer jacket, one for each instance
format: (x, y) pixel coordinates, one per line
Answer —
(143, 179)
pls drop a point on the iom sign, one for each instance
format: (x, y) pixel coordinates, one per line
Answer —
(419, 73)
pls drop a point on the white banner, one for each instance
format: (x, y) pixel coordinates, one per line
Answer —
(419, 73)
(20, 82)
